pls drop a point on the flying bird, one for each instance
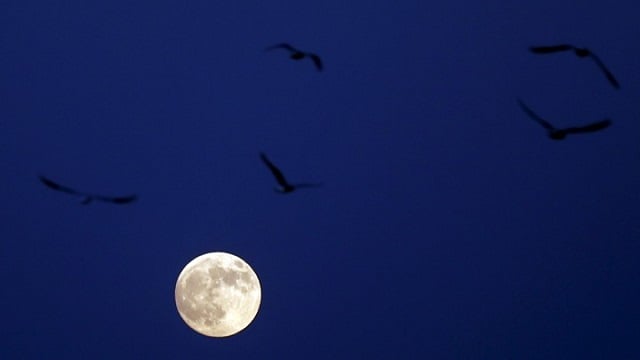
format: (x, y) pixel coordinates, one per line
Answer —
(88, 198)
(559, 134)
(296, 54)
(285, 186)
(581, 53)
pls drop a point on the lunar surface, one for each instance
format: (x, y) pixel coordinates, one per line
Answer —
(218, 294)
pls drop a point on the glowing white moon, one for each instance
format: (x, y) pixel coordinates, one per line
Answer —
(218, 294)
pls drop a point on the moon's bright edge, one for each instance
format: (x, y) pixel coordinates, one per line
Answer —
(218, 294)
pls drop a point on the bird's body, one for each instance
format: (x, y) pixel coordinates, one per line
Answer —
(296, 54)
(579, 52)
(87, 197)
(284, 186)
(559, 134)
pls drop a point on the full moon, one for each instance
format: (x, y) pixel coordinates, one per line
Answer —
(218, 294)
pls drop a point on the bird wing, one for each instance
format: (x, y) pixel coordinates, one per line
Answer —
(606, 71)
(308, 185)
(535, 116)
(593, 127)
(281, 46)
(117, 199)
(316, 61)
(55, 186)
(550, 49)
(275, 171)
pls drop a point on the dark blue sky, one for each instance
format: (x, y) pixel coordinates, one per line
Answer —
(449, 226)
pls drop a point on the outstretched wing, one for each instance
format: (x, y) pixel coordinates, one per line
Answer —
(55, 186)
(535, 116)
(281, 46)
(606, 71)
(593, 127)
(550, 49)
(275, 171)
(117, 199)
(307, 185)
(316, 61)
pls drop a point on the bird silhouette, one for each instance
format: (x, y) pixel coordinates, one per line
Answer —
(559, 134)
(88, 198)
(581, 53)
(296, 54)
(285, 186)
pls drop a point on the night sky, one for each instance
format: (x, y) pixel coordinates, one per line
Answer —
(449, 225)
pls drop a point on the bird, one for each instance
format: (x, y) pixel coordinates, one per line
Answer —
(285, 186)
(559, 134)
(88, 198)
(298, 55)
(581, 53)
